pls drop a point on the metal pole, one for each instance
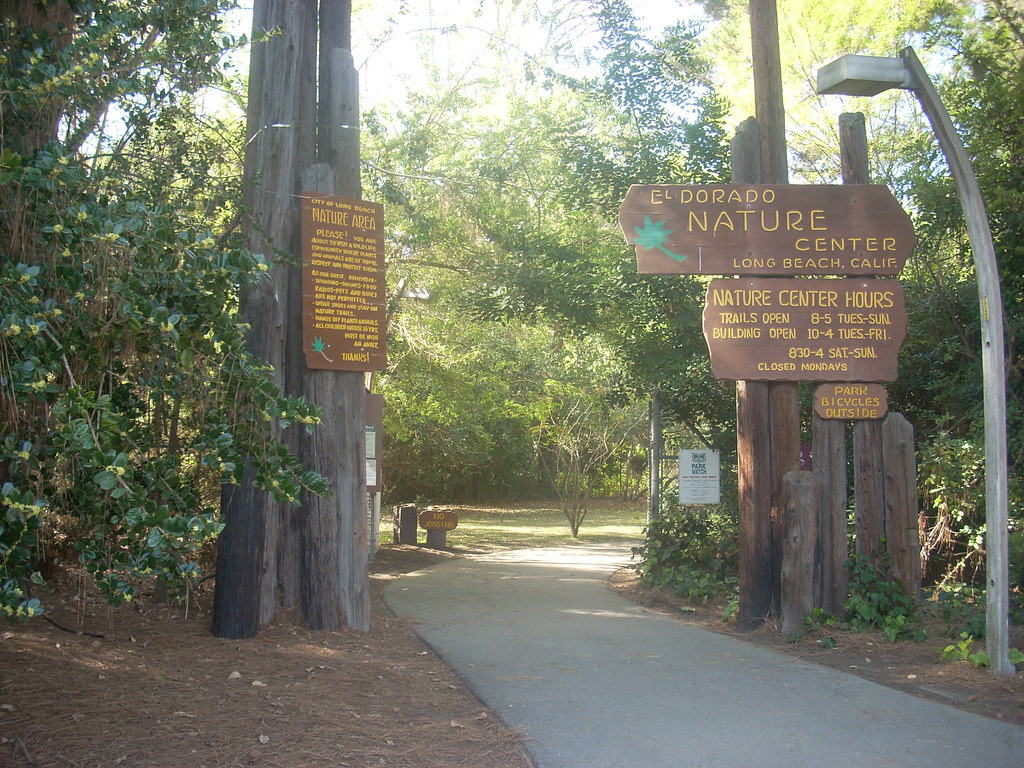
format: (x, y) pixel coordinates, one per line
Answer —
(997, 629)
(654, 460)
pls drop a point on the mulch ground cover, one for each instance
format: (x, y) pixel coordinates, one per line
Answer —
(159, 691)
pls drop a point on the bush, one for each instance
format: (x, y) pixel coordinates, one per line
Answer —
(875, 601)
(693, 552)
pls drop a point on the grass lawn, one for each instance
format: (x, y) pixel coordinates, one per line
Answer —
(522, 526)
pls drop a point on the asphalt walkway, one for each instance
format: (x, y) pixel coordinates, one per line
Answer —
(594, 681)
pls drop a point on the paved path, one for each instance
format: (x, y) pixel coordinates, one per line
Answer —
(596, 682)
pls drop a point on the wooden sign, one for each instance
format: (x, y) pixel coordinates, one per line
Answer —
(851, 401)
(777, 329)
(439, 519)
(761, 229)
(343, 294)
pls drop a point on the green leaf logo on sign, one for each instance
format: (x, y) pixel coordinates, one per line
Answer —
(653, 234)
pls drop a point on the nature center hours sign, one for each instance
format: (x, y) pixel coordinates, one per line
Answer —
(792, 329)
(766, 229)
(344, 306)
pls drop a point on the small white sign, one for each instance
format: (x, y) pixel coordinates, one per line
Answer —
(699, 480)
(371, 455)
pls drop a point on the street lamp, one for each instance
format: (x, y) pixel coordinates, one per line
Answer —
(871, 75)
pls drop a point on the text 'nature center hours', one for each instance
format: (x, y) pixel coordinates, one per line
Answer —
(791, 329)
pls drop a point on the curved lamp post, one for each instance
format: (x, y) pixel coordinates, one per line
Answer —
(868, 76)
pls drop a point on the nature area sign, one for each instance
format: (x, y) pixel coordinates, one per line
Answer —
(762, 229)
(777, 329)
(343, 293)
(854, 401)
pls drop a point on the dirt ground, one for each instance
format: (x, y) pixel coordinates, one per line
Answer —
(916, 668)
(159, 691)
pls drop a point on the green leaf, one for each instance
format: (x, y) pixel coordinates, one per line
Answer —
(105, 479)
(654, 234)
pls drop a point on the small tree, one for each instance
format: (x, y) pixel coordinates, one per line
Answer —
(578, 433)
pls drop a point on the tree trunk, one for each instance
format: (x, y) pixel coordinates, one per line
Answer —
(257, 529)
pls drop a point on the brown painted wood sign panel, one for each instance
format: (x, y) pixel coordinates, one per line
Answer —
(439, 519)
(343, 293)
(853, 401)
(778, 329)
(766, 229)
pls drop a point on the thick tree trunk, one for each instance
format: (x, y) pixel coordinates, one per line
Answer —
(26, 131)
(279, 131)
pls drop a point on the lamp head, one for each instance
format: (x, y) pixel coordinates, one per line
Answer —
(854, 75)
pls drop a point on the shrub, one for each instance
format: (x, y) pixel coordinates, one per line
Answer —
(693, 552)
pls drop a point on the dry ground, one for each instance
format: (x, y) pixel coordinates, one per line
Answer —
(916, 668)
(159, 691)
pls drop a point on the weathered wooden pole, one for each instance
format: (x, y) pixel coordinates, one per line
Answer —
(902, 538)
(279, 113)
(753, 458)
(802, 492)
(828, 446)
(335, 581)
(767, 414)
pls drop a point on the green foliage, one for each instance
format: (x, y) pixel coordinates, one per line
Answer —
(462, 401)
(502, 196)
(876, 602)
(128, 394)
(963, 650)
(951, 478)
(692, 550)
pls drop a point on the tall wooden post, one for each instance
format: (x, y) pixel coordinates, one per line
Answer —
(829, 435)
(869, 505)
(767, 414)
(279, 113)
(336, 448)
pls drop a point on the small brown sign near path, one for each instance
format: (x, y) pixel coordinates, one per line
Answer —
(778, 329)
(853, 401)
(343, 295)
(439, 519)
(766, 229)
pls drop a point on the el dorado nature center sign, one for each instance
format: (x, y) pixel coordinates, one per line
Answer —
(343, 293)
(763, 229)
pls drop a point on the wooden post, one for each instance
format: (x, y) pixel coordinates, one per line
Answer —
(868, 489)
(337, 447)
(321, 549)
(406, 524)
(828, 449)
(828, 441)
(901, 526)
(802, 493)
(767, 414)
(246, 592)
(753, 459)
